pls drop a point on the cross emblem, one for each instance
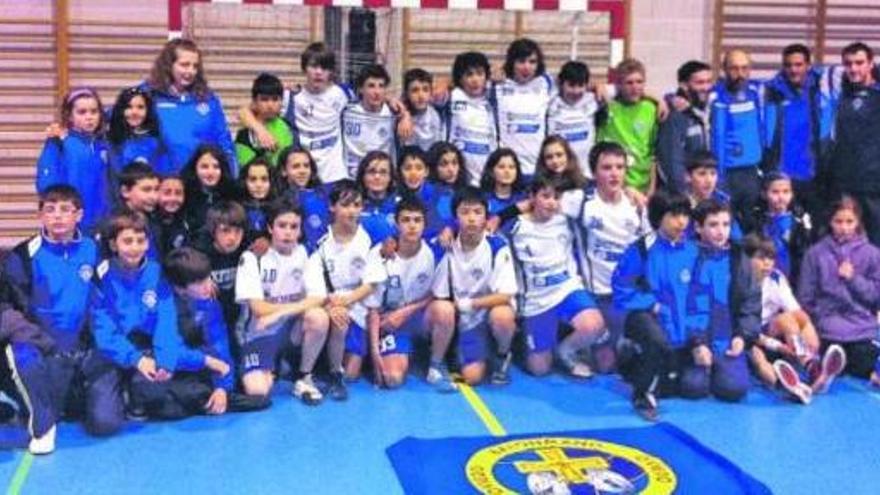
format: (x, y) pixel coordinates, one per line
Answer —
(554, 460)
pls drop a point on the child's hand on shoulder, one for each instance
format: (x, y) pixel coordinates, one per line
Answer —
(56, 130)
(259, 246)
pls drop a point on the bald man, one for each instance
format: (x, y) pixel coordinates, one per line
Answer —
(737, 133)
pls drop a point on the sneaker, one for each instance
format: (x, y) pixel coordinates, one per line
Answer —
(501, 373)
(791, 381)
(305, 390)
(245, 403)
(574, 366)
(833, 363)
(337, 390)
(43, 445)
(137, 414)
(645, 406)
(438, 376)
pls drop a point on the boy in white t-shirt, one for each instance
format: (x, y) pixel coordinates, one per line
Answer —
(370, 124)
(788, 334)
(281, 297)
(398, 305)
(475, 285)
(606, 222)
(341, 258)
(551, 290)
(572, 112)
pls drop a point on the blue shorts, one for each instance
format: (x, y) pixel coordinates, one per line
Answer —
(542, 330)
(397, 342)
(473, 344)
(261, 353)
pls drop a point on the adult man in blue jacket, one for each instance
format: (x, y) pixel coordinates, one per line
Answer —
(736, 120)
(799, 113)
(854, 167)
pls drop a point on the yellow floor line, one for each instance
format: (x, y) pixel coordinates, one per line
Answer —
(479, 407)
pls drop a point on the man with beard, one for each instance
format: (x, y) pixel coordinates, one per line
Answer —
(737, 136)
(854, 167)
(798, 118)
(685, 131)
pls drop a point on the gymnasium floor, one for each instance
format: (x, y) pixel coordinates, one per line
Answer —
(339, 448)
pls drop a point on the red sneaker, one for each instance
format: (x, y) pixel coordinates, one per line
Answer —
(791, 381)
(833, 363)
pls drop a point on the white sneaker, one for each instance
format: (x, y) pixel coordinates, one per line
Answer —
(305, 390)
(44, 444)
(574, 366)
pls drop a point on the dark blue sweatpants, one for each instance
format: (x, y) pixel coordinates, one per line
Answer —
(78, 383)
(669, 371)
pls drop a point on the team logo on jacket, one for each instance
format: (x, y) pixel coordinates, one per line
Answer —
(150, 299)
(422, 278)
(203, 109)
(358, 263)
(477, 274)
(685, 276)
(383, 133)
(314, 221)
(296, 274)
(86, 272)
(857, 103)
(566, 465)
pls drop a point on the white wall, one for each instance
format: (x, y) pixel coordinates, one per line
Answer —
(667, 33)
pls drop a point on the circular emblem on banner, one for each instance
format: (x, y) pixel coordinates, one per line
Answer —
(564, 465)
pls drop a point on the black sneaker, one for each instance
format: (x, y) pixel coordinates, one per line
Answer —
(337, 390)
(645, 405)
(501, 374)
(246, 403)
(136, 413)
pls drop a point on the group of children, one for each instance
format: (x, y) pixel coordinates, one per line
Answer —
(477, 225)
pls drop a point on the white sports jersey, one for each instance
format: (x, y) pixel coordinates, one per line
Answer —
(472, 130)
(474, 274)
(404, 280)
(776, 297)
(427, 129)
(522, 117)
(317, 121)
(606, 231)
(345, 267)
(577, 124)
(545, 255)
(274, 278)
(364, 131)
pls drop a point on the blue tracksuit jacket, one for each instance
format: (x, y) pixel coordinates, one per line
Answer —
(52, 283)
(736, 122)
(78, 160)
(132, 312)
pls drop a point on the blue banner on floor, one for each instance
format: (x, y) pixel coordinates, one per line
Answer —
(657, 459)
